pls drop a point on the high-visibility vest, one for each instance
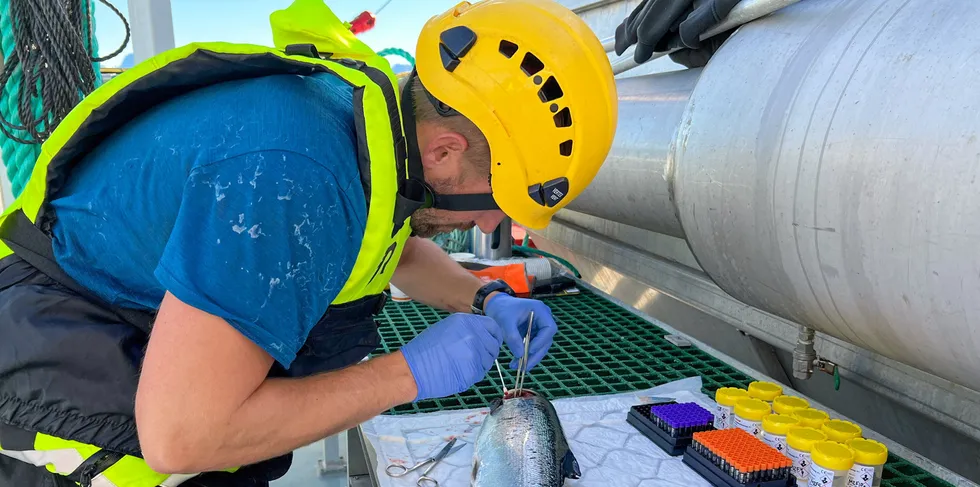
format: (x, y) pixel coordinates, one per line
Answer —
(310, 39)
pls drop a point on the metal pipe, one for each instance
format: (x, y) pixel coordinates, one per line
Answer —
(609, 44)
(582, 6)
(746, 11)
(804, 356)
(825, 171)
(633, 186)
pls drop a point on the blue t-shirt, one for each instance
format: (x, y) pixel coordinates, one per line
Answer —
(242, 199)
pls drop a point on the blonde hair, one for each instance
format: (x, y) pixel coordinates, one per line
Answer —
(478, 150)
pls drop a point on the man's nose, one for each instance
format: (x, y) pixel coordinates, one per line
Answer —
(489, 220)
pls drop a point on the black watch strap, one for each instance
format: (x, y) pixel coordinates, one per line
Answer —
(483, 292)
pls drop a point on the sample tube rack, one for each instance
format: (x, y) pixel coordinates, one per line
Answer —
(670, 425)
(735, 458)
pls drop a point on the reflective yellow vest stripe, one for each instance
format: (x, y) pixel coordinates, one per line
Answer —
(380, 148)
(64, 457)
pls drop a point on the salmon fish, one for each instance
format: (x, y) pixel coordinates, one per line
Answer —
(521, 443)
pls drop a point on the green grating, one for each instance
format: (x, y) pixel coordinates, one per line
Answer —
(900, 473)
(600, 348)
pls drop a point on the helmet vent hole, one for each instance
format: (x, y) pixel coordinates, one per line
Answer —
(565, 148)
(563, 118)
(550, 91)
(531, 64)
(508, 49)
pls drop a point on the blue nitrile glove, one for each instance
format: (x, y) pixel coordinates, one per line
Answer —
(450, 356)
(512, 314)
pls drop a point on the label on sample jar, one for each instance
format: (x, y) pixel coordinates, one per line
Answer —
(801, 464)
(861, 476)
(723, 419)
(822, 477)
(753, 428)
(775, 441)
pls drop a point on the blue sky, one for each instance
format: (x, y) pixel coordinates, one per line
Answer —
(398, 24)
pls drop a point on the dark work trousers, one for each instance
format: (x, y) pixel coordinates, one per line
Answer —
(69, 367)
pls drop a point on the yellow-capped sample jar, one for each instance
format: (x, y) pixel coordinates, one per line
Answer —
(812, 418)
(799, 443)
(869, 463)
(787, 405)
(840, 431)
(766, 391)
(774, 430)
(832, 463)
(749, 414)
(725, 398)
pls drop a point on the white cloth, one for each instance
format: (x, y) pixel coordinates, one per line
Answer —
(610, 451)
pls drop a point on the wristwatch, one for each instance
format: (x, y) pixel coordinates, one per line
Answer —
(485, 290)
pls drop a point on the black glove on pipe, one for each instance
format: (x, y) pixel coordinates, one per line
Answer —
(665, 25)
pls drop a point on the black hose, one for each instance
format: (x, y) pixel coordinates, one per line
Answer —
(54, 55)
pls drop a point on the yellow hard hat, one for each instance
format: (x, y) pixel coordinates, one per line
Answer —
(534, 78)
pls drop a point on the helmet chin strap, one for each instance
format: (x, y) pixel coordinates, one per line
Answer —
(414, 191)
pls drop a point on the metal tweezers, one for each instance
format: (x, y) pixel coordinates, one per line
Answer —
(521, 364)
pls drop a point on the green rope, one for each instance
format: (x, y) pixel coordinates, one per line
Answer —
(19, 157)
(452, 242)
(397, 52)
(91, 40)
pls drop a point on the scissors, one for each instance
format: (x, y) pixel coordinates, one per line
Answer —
(395, 470)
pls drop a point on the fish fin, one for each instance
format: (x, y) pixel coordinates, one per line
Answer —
(475, 471)
(569, 466)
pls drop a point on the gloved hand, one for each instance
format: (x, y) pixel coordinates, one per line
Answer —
(453, 354)
(512, 315)
(666, 25)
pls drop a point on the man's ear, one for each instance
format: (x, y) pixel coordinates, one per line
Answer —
(444, 148)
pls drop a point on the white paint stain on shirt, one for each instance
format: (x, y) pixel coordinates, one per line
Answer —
(258, 172)
(219, 190)
(239, 228)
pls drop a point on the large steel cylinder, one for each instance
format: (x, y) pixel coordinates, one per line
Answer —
(826, 169)
(641, 158)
